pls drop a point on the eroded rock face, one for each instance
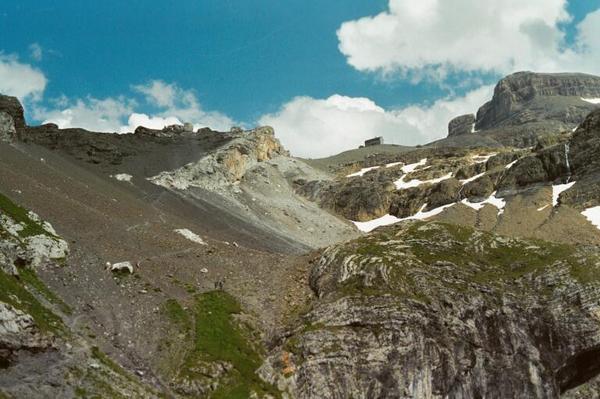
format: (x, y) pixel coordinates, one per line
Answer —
(461, 125)
(18, 331)
(428, 310)
(526, 97)
(8, 131)
(227, 165)
(27, 240)
(13, 107)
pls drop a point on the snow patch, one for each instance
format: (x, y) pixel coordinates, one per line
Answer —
(363, 171)
(122, 177)
(401, 184)
(482, 158)
(510, 165)
(593, 215)
(413, 166)
(591, 100)
(190, 235)
(470, 179)
(499, 203)
(391, 165)
(387, 220)
(542, 208)
(558, 189)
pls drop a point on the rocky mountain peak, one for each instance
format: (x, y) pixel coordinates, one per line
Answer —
(531, 97)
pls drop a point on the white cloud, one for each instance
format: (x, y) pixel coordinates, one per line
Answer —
(20, 80)
(437, 37)
(315, 128)
(99, 115)
(183, 105)
(151, 122)
(175, 106)
(36, 52)
(159, 93)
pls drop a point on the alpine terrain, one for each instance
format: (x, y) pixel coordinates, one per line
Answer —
(192, 263)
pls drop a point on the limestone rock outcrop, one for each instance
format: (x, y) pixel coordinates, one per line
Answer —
(13, 107)
(461, 125)
(527, 97)
(18, 332)
(227, 165)
(429, 310)
(8, 131)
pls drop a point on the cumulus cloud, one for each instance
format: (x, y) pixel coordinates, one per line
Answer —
(20, 80)
(438, 37)
(182, 104)
(121, 114)
(316, 128)
(99, 115)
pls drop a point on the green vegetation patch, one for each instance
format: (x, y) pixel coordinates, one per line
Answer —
(21, 215)
(14, 293)
(176, 314)
(413, 261)
(218, 338)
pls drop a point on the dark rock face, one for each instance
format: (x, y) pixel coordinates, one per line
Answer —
(8, 131)
(13, 107)
(461, 125)
(526, 97)
(429, 310)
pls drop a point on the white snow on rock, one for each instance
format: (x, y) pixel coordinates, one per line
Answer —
(387, 220)
(593, 215)
(542, 208)
(492, 200)
(591, 100)
(558, 189)
(401, 184)
(510, 165)
(482, 158)
(123, 177)
(363, 171)
(190, 235)
(413, 166)
(470, 179)
(391, 165)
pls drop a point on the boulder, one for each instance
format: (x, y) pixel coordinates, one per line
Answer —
(461, 125)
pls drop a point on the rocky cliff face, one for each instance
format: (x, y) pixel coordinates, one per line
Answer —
(13, 107)
(460, 125)
(8, 131)
(227, 165)
(527, 97)
(527, 108)
(428, 310)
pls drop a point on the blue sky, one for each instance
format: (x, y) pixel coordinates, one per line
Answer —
(245, 61)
